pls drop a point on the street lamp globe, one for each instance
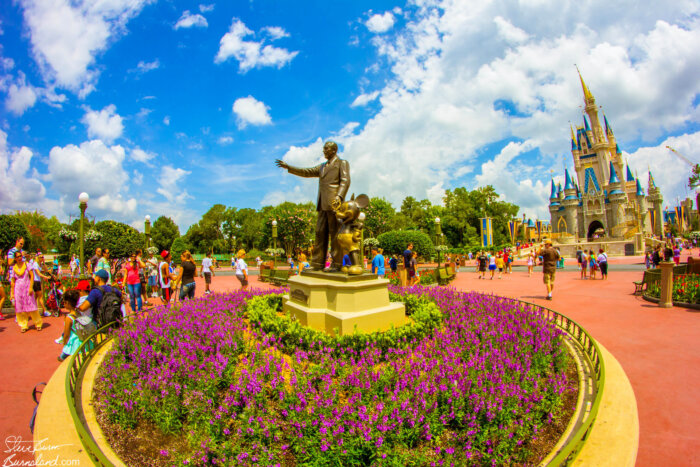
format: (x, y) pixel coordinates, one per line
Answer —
(83, 197)
(274, 223)
(148, 218)
(437, 220)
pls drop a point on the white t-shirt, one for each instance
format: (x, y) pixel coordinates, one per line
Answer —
(206, 265)
(84, 317)
(602, 258)
(37, 269)
(240, 267)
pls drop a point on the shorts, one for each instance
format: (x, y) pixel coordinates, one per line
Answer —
(36, 286)
(242, 279)
(500, 269)
(165, 294)
(492, 267)
(604, 268)
(207, 278)
(152, 281)
(411, 273)
(548, 278)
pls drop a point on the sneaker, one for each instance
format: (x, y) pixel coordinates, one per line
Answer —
(59, 340)
(46, 314)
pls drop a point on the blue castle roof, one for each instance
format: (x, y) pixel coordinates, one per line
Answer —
(613, 174)
(630, 177)
(590, 180)
(585, 123)
(640, 192)
(569, 184)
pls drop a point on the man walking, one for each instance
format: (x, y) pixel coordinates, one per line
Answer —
(93, 261)
(207, 272)
(333, 184)
(550, 256)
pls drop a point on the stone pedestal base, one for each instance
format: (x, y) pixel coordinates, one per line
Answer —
(330, 301)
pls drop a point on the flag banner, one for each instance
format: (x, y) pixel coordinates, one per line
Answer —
(511, 229)
(538, 225)
(679, 218)
(652, 218)
(486, 232)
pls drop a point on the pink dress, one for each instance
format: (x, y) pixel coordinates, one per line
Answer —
(24, 301)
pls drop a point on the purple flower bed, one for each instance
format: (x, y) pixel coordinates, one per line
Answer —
(477, 390)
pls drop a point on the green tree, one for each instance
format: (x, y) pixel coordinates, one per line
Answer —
(201, 236)
(379, 216)
(119, 238)
(177, 247)
(246, 225)
(11, 228)
(396, 241)
(295, 226)
(163, 232)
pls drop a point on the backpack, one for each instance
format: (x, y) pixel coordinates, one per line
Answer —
(110, 309)
(84, 330)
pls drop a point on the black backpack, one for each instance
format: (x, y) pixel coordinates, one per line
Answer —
(110, 309)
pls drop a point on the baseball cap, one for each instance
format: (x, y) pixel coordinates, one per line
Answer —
(164, 254)
(84, 285)
(102, 274)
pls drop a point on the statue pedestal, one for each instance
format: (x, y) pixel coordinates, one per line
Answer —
(326, 301)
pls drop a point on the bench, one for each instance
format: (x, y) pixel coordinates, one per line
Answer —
(280, 276)
(264, 274)
(650, 275)
(444, 275)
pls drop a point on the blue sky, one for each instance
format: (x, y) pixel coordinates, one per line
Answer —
(165, 108)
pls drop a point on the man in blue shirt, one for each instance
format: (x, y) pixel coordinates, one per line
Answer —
(94, 298)
(378, 263)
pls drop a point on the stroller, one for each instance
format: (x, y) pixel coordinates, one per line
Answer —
(54, 301)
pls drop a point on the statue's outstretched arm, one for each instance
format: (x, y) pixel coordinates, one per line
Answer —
(299, 171)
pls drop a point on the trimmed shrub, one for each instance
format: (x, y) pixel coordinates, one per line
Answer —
(395, 242)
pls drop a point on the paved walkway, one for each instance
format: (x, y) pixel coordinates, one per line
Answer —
(658, 348)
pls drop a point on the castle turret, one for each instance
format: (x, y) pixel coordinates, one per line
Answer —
(592, 112)
(609, 133)
(656, 200)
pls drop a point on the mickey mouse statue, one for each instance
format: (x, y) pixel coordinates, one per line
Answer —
(351, 221)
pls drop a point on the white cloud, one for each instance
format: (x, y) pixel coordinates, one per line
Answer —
(364, 99)
(250, 111)
(249, 53)
(380, 23)
(67, 35)
(275, 32)
(670, 171)
(225, 140)
(104, 124)
(140, 155)
(509, 32)
(206, 8)
(18, 189)
(166, 120)
(145, 67)
(20, 97)
(189, 20)
(465, 79)
(170, 186)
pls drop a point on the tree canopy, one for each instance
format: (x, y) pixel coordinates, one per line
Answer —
(163, 232)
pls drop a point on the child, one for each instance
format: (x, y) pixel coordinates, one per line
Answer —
(593, 264)
(500, 263)
(70, 339)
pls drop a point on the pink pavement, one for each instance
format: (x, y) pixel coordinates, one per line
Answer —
(659, 350)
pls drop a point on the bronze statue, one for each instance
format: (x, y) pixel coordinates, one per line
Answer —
(333, 183)
(351, 218)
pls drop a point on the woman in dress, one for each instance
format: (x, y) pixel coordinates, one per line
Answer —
(22, 294)
(530, 264)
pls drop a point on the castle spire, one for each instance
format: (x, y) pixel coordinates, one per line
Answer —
(573, 138)
(608, 128)
(554, 190)
(569, 185)
(630, 177)
(613, 175)
(651, 181)
(640, 192)
(588, 97)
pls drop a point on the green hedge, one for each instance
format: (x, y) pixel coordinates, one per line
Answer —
(263, 313)
(396, 241)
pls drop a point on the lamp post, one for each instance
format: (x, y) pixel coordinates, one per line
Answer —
(438, 233)
(147, 229)
(274, 242)
(83, 198)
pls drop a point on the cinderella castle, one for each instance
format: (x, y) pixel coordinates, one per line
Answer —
(605, 199)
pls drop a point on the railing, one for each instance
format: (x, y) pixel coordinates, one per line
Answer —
(568, 453)
(78, 363)
(591, 351)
